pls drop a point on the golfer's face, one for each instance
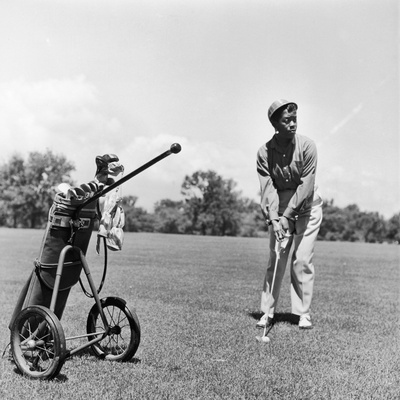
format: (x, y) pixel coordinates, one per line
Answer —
(287, 124)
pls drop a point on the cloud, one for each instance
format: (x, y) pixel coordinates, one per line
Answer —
(164, 179)
(62, 115)
(68, 117)
(358, 186)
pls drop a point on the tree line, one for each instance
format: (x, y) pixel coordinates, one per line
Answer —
(211, 205)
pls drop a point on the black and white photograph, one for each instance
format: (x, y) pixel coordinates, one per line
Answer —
(200, 199)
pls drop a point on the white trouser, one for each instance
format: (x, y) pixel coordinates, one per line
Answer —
(302, 268)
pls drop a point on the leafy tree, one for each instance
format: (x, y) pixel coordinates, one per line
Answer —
(12, 182)
(27, 188)
(170, 217)
(372, 227)
(252, 220)
(137, 219)
(393, 229)
(212, 205)
(333, 222)
(352, 224)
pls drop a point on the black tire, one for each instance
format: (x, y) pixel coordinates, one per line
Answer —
(123, 337)
(38, 343)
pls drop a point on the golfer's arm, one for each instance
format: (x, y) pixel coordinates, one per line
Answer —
(269, 195)
(305, 190)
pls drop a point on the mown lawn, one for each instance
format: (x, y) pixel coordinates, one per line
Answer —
(197, 299)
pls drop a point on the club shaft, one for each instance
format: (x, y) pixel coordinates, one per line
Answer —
(278, 256)
(278, 253)
(125, 178)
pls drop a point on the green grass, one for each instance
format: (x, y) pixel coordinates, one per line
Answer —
(197, 298)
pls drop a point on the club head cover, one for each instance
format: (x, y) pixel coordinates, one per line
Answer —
(107, 165)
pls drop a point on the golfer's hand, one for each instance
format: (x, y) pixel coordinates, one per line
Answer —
(287, 225)
(278, 230)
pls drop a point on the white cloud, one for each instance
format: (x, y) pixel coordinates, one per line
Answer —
(62, 115)
(164, 180)
(359, 187)
(67, 117)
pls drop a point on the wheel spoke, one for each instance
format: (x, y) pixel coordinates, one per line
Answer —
(38, 343)
(124, 331)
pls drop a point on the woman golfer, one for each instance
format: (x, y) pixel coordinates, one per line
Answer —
(286, 167)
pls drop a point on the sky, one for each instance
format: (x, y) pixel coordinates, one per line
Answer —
(130, 77)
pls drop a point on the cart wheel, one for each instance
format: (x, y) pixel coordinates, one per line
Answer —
(123, 337)
(38, 343)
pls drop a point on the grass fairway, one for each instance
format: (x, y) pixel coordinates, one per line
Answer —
(197, 298)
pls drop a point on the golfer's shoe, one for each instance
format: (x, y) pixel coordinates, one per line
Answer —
(305, 322)
(265, 321)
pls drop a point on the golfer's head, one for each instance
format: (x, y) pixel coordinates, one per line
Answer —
(277, 108)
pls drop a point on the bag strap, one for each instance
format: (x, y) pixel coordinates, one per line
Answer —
(103, 278)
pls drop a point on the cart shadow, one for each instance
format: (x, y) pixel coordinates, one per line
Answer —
(278, 317)
(61, 378)
(87, 353)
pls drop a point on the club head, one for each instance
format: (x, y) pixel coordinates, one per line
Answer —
(263, 339)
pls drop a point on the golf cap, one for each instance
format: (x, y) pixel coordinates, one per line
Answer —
(276, 105)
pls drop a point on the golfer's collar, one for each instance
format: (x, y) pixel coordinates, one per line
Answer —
(275, 144)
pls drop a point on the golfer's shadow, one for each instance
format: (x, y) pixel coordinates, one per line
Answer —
(278, 317)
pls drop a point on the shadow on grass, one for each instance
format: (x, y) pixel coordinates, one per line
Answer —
(278, 317)
(61, 378)
(89, 353)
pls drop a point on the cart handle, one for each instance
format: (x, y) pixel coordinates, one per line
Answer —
(175, 148)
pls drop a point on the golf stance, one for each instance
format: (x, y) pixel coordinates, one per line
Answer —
(292, 207)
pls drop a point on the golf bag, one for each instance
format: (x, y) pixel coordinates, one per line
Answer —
(63, 228)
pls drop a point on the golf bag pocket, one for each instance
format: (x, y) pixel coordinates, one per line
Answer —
(36, 292)
(70, 276)
(64, 228)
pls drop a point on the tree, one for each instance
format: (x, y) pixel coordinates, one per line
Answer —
(252, 220)
(12, 181)
(27, 188)
(212, 205)
(372, 226)
(333, 222)
(136, 218)
(170, 217)
(352, 224)
(393, 229)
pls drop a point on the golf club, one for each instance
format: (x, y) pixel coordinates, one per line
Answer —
(279, 245)
(175, 148)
